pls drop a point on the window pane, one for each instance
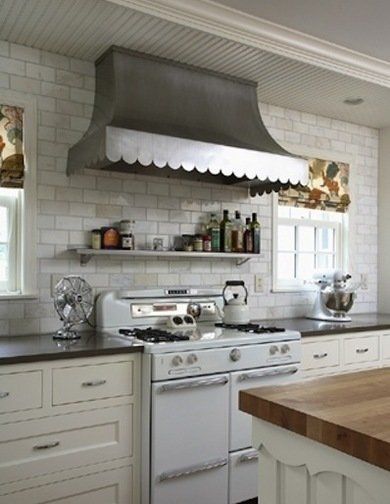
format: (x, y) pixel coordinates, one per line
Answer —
(325, 261)
(306, 238)
(325, 240)
(305, 266)
(286, 237)
(286, 265)
(3, 263)
(299, 213)
(284, 211)
(3, 224)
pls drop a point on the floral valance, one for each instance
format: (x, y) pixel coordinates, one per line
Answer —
(327, 188)
(11, 146)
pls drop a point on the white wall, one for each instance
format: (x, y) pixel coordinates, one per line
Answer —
(69, 207)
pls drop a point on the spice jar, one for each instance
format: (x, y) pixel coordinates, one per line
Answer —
(96, 239)
(127, 236)
(188, 243)
(110, 238)
(206, 243)
(198, 243)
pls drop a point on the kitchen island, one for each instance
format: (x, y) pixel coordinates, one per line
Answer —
(325, 441)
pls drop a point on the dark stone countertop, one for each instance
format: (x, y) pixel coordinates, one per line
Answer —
(42, 347)
(307, 327)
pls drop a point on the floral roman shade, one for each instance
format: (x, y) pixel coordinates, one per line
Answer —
(11, 146)
(327, 188)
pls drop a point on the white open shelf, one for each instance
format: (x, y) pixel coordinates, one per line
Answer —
(86, 254)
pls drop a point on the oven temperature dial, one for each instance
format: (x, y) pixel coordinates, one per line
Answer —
(273, 349)
(235, 355)
(285, 349)
(192, 359)
(177, 360)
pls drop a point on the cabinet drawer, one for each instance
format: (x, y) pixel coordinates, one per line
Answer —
(88, 383)
(114, 487)
(386, 346)
(359, 350)
(320, 354)
(20, 391)
(243, 476)
(46, 445)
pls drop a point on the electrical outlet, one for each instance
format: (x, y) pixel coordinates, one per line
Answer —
(364, 281)
(55, 278)
(259, 283)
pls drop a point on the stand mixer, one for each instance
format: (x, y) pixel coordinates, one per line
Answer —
(334, 297)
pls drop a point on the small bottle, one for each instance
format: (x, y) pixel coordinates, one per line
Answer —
(237, 234)
(96, 239)
(248, 242)
(127, 236)
(226, 233)
(255, 228)
(206, 243)
(214, 231)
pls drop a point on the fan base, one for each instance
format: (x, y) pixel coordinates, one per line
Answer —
(66, 334)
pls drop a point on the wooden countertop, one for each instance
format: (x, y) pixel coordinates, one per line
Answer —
(349, 412)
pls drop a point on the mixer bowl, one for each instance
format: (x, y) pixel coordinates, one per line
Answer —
(338, 300)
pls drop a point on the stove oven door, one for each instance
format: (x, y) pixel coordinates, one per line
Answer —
(243, 472)
(189, 441)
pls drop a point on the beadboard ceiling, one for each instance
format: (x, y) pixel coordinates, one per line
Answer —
(85, 28)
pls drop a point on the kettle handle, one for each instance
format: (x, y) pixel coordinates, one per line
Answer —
(234, 283)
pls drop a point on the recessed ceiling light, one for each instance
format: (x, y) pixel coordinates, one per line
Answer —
(353, 101)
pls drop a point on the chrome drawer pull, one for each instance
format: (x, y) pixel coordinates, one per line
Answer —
(207, 382)
(320, 355)
(248, 457)
(3, 395)
(93, 383)
(46, 446)
(213, 464)
(264, 374)
(361, 350)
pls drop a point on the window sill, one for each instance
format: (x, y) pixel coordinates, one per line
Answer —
(7, 296)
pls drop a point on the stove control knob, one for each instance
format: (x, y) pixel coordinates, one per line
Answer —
(235, 355)
(177, 360)
(192, 358)
(285, 348)
(273, 349)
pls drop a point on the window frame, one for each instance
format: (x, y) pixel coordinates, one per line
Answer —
(344, 233)
(26, 253)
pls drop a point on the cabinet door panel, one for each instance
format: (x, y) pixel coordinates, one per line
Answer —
(20, 391)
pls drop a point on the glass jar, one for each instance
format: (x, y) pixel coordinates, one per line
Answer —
(96, 239)
(206, 243)
(198, 243)
(127, 235)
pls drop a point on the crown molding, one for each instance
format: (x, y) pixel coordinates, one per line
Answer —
(205, 15)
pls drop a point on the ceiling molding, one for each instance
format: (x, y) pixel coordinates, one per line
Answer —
(252, 31)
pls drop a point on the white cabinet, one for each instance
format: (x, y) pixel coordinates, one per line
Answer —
(343, 353)
(75, 420)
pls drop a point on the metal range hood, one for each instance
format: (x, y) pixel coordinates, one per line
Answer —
(153, 116)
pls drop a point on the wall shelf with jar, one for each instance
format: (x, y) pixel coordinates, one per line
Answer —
(86, 254)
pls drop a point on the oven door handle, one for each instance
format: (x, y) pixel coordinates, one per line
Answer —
(249, 457)
(205, 382)
(264, 374)
(213, 464)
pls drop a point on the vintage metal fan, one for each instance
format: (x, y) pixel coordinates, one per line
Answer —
(73, 301)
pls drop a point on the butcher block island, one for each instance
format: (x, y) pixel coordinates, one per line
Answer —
(325, 440)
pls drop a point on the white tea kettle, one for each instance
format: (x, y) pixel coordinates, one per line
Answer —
(235, 309)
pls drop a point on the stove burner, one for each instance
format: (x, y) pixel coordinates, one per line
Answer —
(151, 335)
(251, 328)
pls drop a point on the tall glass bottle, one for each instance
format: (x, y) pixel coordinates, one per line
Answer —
(248, 242)
(255, 229)
(237, 233)
(226, 232)
(214, 231)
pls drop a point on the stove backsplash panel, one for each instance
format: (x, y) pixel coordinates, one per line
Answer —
(68, 208)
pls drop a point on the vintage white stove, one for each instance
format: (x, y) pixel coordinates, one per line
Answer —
(196, 444)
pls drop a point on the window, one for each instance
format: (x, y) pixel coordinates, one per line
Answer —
(9, 255)
(305, 241)
(18, 205)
